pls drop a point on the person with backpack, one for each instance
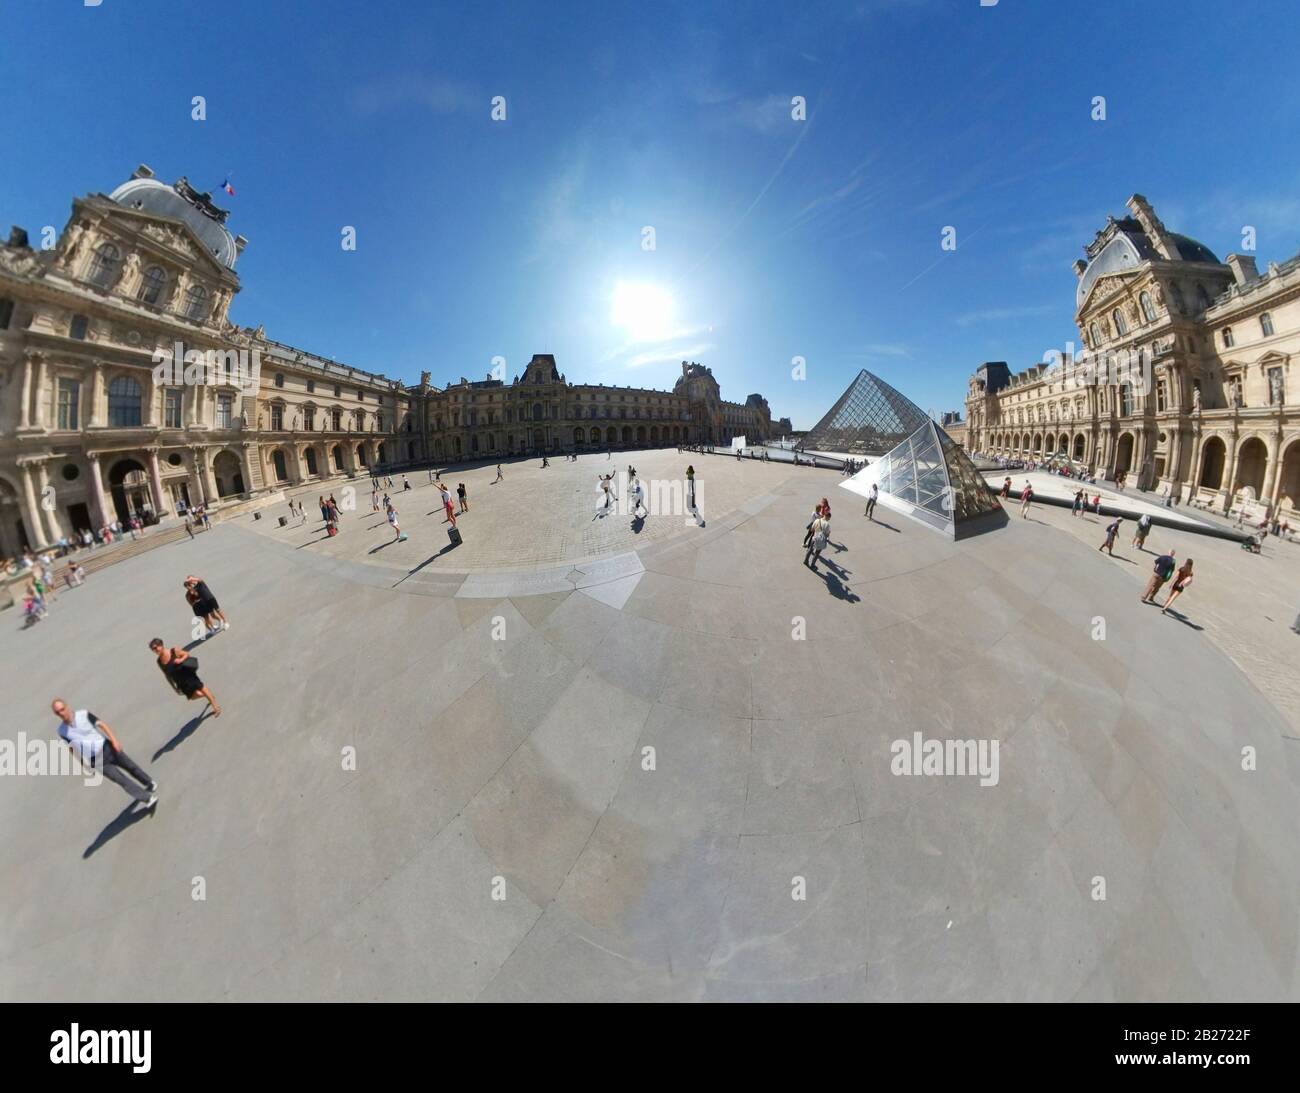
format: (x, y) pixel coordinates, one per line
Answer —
(1111, 532)
(1162, 571)
(1143, 530)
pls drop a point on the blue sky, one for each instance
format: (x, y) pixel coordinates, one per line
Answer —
(774, 238)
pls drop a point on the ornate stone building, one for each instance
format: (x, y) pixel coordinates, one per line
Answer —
(88, 434)
(93, 430)
(1187, 381)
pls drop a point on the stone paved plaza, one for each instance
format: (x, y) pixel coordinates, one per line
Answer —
(500, 698)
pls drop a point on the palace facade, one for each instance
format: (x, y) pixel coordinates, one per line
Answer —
(1205, 400)
(92, 431)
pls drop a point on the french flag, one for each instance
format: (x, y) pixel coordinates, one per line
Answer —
(228, 187)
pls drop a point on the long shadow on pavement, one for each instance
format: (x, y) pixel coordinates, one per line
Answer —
(187, 730)
(124, 819)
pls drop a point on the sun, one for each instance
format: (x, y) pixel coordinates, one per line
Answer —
(645, 312)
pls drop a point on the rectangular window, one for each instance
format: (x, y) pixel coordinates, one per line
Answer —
(277, 417)
(311, 386)
(1161, 397)
(6, 313)
(172, 397)
(69, 400)
(309, 418)
(225, 410)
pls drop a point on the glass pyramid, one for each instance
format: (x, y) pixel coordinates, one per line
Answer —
(870, 418)
(929, 478)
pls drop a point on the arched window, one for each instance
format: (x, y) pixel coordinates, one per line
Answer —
(1266, 324)
(152, 285)
(104, 265)
(123, 402)
(1227, 337)
(196, 302)
(78, 328)
(1148, 308)
(1094, 332)
(1121, 327)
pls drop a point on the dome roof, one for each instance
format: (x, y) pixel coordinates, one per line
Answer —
(1193, 250)
(205, 219)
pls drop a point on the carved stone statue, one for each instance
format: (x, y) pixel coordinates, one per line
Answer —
(130, 274)
(1196, 400)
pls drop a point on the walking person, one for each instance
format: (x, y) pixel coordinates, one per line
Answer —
(189, 526)
(1182, 579)
(637, 497)
(446, 504)
(181, 670)
(1077, 507)
(812, 523)
(499, 476)
(816, 544)
(690, 486)
(94, 743)
(870, 512)
(1026, 498)
(1143, 530)
(1112, 531)
(406, 485)
(1160, 573)
(463, 495)
(1006, 488)
(392, 522)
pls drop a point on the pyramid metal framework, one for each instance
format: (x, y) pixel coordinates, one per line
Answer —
(870, 418)
(929, 478)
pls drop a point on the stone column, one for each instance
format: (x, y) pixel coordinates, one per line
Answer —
(24, 407)
(52, 520)
(209, 480)
(198, 483)
(151, 415)
(98, 506)
(155, 485)
(1228, 486)
(98, 416)
(38, 414)
(31, 510)
(246, 457)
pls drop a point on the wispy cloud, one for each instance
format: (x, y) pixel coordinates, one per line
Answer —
(1003, 314)
(439, 96)
(880, 349)
(663, 356)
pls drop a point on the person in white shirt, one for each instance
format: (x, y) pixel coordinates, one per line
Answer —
(87, 736)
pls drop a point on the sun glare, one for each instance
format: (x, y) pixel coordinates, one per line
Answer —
(644, 312)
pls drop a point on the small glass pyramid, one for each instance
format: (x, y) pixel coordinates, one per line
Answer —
(929, 478)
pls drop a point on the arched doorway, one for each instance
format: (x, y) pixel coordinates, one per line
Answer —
(228, 472)
(336, 457)
(1288, 488)
(14, 538)
(279, 466)
(310, 455)
(361, 455)
(579, 437)
(1252, 458)
(129, 485)
(1080, 443)
(654, 434)
(1124, 454)
(640, 435)
(627, 434)
(1212, 461)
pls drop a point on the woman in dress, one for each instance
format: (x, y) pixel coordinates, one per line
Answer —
(181, 671)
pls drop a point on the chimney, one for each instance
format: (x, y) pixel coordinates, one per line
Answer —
(1243, 268)
(1079, 266)
(1154, 230)
(143, 171)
